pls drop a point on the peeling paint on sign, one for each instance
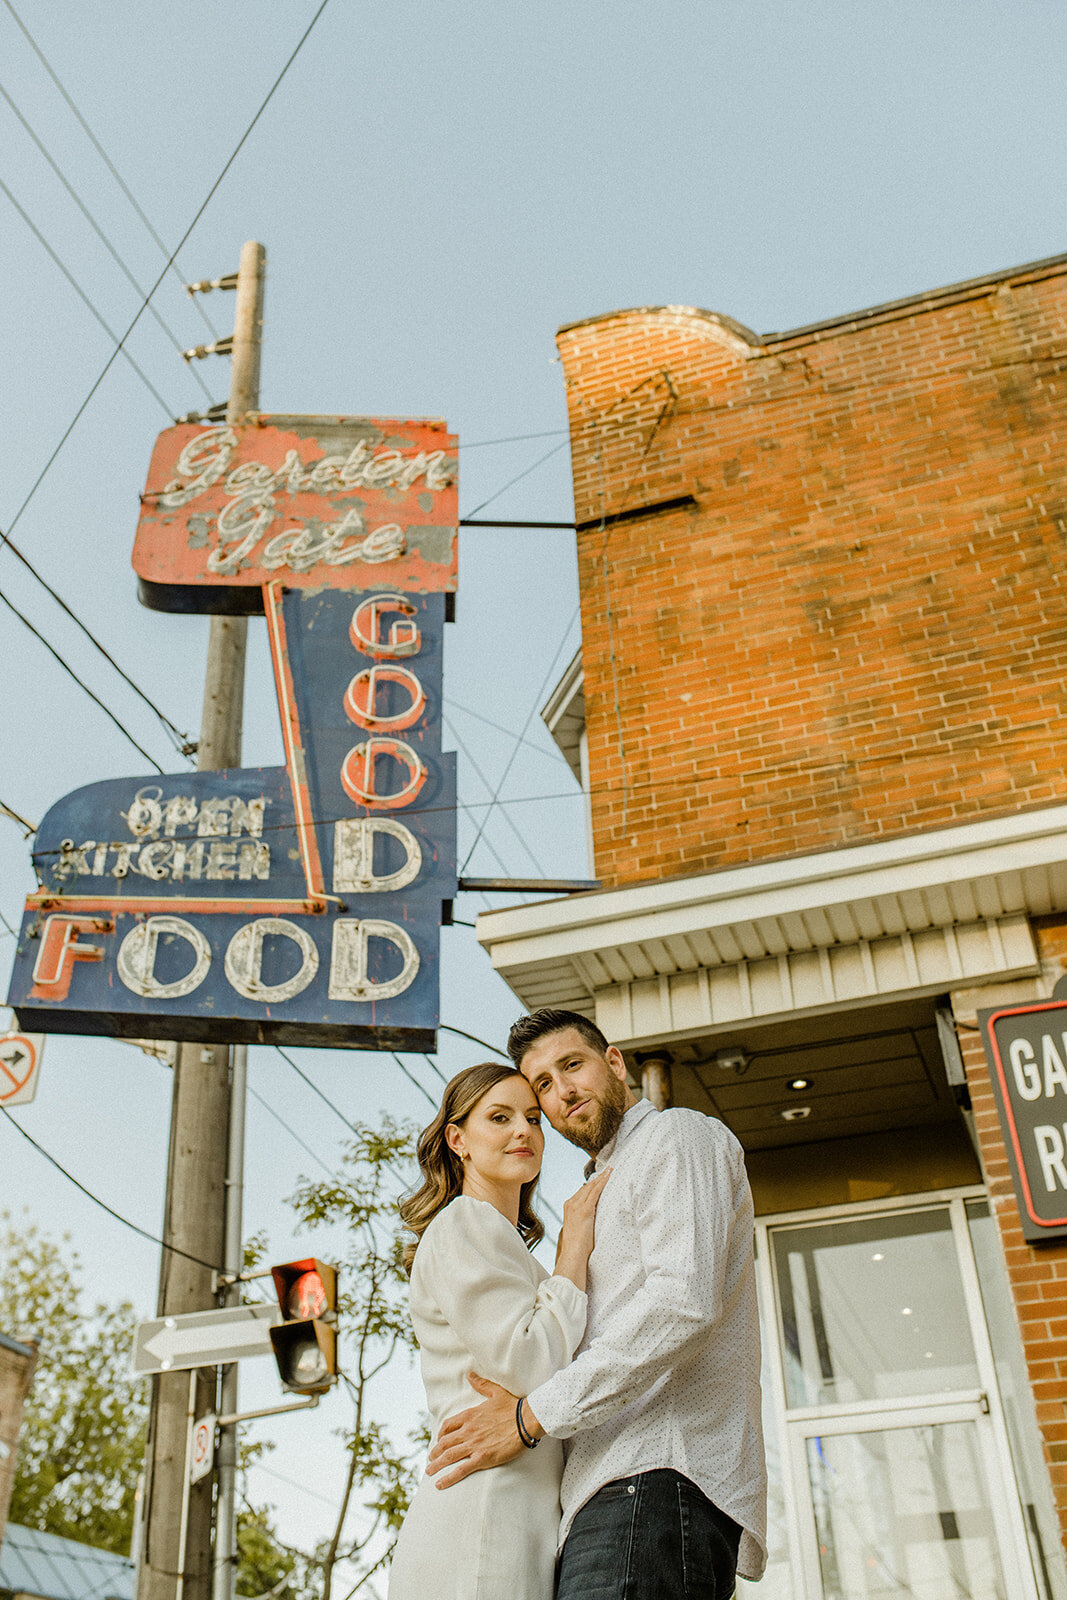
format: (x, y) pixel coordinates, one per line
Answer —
(297, 904)
(339, 502)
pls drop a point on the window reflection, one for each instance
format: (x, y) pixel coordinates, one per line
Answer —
(904, 1514)
(1042, 1529)
(872, 1308)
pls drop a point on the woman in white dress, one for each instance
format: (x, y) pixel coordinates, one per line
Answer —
(481, 1303)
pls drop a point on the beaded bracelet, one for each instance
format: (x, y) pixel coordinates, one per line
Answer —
(524, 1434)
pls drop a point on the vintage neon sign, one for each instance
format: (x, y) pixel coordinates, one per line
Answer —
(297, 904)
(338, 502)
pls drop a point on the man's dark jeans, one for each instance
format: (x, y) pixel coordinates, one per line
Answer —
(654, 1536)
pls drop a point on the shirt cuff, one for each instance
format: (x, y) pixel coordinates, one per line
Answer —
(547, 1406)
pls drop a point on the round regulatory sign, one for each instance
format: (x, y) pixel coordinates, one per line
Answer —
(18, 1057)
(202, 1453)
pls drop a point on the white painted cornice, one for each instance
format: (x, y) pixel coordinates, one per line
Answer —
(566, 950)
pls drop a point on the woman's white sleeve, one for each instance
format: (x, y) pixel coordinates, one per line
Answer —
(518, 1334)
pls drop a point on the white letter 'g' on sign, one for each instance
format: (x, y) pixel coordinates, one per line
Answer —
(136, 960)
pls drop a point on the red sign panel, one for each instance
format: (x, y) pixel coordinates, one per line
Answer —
(317, 502)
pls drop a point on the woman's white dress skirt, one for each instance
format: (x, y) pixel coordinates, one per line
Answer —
(480, 1302)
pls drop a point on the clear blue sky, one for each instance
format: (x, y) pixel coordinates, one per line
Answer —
(438, 189)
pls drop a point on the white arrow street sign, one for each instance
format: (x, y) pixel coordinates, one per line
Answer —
(203, 1338)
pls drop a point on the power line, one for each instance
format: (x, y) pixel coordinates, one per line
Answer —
(489, 845)
(313, 1086)
(429, 811)
(67, 668)
(257, 1466)
(461, 805)
(101, 235)
(403, 1176)
(170, 260)
(532, 713)
(181, 740)
(502, 522)
(450, 725)
(6, 540)
(137, 317)
(168, 411)
(213, 1266)
(474, 1039)
(550, 755)
(330, 1173)
(432, 1064)
(98, 147)
(524, 474)
(515, 438)
(412, 1079)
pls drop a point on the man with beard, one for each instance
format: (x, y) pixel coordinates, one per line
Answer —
(664, 1489)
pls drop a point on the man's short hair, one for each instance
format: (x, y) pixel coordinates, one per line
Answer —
(549, 1019)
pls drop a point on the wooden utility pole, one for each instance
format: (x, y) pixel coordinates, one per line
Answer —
(195, 1218)
(17, 1361)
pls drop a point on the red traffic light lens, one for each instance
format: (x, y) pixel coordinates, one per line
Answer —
(306, 1298)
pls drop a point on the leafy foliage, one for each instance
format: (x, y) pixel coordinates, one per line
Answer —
(82, 1442)
(374, 1326)
(83, 1434)
(83, 1439)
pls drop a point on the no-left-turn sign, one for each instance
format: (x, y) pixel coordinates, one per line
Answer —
(202, 1448)
(20, 1059)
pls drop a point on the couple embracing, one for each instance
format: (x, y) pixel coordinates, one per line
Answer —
(619, 1414)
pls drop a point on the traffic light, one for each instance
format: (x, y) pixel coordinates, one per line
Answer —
(305, 1341)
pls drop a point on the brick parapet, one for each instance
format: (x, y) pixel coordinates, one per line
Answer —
(858, 628)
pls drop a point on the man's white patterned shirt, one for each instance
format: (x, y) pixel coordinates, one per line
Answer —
(667, 1374)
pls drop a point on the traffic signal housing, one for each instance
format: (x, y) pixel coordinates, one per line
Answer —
(305, 1341)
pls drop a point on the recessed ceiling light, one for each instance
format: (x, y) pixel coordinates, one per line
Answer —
(878, 1256)
(799, 1083)
(905, 1311)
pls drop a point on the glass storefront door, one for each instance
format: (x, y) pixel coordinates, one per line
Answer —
(887, 1437)
(906, 1510)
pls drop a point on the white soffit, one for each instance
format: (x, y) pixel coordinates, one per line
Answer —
(831, 978)
(564, 714)
(570, 951)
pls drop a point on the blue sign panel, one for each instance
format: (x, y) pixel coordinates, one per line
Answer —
(297, 904)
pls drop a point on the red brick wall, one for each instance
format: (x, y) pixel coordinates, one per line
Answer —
(861, 627)
(1038, 1275)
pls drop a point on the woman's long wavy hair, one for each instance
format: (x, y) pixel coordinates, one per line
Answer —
(442, 1169)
